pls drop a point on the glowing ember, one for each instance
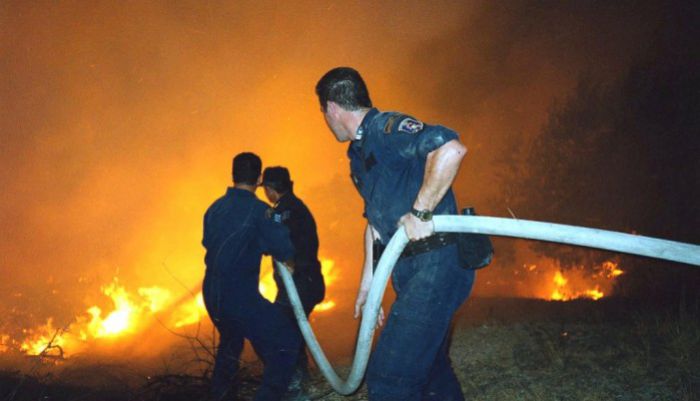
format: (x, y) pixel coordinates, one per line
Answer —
(4, 343)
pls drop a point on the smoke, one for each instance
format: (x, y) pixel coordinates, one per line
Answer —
(119, 120)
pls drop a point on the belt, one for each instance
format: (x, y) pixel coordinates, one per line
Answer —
(413, 248)
(435, 241)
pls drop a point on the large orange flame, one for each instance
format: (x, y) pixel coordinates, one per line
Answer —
(130, 312)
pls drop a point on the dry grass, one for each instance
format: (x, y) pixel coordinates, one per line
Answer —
(581, 351)
(502, 350)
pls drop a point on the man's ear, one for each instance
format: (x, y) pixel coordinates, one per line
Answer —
(259, 180)
(332, 108)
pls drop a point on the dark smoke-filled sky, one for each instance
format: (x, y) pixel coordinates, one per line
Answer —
(118, 120)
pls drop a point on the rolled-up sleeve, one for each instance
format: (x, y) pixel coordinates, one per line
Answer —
(431, 138)
(419, 144)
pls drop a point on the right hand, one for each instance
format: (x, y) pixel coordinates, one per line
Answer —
(360, 303)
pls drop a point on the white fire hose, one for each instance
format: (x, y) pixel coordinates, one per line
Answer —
(565, 234)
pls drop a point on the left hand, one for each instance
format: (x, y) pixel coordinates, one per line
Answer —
(416, 228)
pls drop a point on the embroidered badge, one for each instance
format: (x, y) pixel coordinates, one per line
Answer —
(390, 123)
(410, 126)
(284, 216)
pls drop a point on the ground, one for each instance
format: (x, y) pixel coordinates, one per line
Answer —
(502, 349)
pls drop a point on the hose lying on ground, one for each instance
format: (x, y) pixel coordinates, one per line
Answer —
(565, 234)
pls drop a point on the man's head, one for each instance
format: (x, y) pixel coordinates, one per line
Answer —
(246, 169)
(342, 92)
(345, 87)
(276, 183)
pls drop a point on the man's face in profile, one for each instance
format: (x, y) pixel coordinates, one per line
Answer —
(332, 116)
(270, 194)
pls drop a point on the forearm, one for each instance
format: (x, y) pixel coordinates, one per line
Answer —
(441, 168)
(367, 271)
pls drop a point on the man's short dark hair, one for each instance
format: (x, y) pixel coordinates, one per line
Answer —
(278, 179)
(246, 168)
(344, 86)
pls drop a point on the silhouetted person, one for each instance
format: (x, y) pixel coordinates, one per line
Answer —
(238, 230)
(293, 213)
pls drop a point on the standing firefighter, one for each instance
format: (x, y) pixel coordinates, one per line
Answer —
(238, 230)
(403, 170)
(294, 214)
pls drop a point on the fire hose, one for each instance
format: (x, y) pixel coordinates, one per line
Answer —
(527, 229)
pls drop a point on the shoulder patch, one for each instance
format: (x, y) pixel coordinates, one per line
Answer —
(390, 123)
(410, 125)
(283, 216)
(277, 217)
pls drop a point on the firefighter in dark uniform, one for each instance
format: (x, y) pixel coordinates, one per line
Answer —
(404, 170)
(238, 230)
(293, 213)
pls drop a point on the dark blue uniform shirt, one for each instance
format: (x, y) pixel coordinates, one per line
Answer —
(388, 163)
(294, 214)
(238, 230)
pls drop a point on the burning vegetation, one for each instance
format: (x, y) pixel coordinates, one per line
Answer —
(131, 313)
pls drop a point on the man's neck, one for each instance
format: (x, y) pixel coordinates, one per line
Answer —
(354, 119)
(246, 187)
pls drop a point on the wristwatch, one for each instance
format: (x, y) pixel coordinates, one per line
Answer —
(424, 215)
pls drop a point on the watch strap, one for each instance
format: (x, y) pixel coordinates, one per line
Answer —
(424, 215)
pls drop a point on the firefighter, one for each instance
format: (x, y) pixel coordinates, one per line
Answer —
(293, 213)
(403, 169)
(238, 230)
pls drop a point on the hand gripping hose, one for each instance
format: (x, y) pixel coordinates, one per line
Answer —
(565, 234)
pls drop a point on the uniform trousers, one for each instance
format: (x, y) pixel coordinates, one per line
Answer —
(272, 334)
(410, 361)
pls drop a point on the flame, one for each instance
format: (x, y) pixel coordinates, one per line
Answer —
(190, 312)
(330, 276)
(566, 289)
(268, 286)
(611, 269)
(157, 298)
(43, 339)
(324, 306)
(130, 311)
